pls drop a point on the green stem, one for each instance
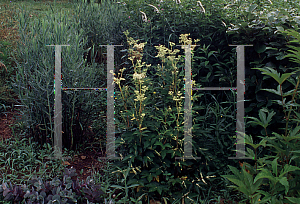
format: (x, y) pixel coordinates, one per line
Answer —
(255, 162)
(72, 123)
(286, 126)
(49, 114)
(266, 131)
(282, 100)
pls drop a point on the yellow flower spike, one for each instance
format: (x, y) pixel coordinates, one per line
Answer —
(133, 171)
(183, 178)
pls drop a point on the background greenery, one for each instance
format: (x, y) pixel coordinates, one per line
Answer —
(215, 23)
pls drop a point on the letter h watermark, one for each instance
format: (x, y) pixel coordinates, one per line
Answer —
(110, 146)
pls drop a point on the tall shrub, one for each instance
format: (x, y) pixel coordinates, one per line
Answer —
(150, 116)
(274, 177)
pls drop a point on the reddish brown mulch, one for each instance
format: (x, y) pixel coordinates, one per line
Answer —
(5, 122)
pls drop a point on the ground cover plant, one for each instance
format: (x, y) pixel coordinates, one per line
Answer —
(149, 89)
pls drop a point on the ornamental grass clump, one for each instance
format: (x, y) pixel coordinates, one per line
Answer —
(34, 79)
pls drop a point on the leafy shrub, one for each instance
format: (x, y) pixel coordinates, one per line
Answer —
(152, 134)
(259, 24)
(275, 177)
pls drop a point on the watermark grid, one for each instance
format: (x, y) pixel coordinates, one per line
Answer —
(110, 145)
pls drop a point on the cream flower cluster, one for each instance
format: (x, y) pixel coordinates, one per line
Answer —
(137, 76)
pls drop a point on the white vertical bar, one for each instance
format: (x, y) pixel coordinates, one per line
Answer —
(188, 108)
(110, 145)
(240, 113)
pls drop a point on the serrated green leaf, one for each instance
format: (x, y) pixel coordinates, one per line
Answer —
(234, 180)
(256, 121)
(294, 131)
(247, 179)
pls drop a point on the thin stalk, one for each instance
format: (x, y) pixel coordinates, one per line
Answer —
(286, 126)
(282, 100)
(50, 119)
(72, 123)
(125, 106)
(46, 129)
(287, 159)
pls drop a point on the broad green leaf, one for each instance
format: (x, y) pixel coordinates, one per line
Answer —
(280, 28)
(274, 74)
(262, 143)
(117, 186)
(248, 180)
(159, 143)
(149, 178)
(163, 154)
(262, 117)
(133, 185)
(210, 53)
(295, 57)
(278, 92)
(236, 172)
(285, 183)
(266, 194)
(288, 168)
(256, 121)
(147, 144)
(293, 200)
(244, 24)
(260, 48)
(274, 166)
(285, 76)
(168, 145)
(255, 187)
(263, 121)
(252, 7)
(265, 174)
(244, 190)
(234, 180)
(294, 131)
(256, 198)
(248, 139)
